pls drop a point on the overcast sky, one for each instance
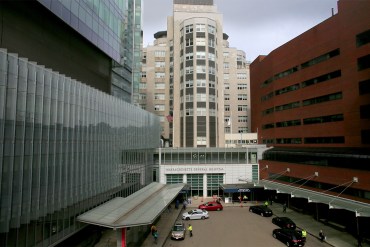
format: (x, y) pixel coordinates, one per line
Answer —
(254, 26)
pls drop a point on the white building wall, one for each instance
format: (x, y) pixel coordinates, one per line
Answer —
(233, 173)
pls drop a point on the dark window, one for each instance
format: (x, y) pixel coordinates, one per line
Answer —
(323, 119)
(365, 136)
(321, 99)
(287, 106)
(288, 140)
(363, 38)
(267, 96)
(363, 62)
(287, 89)
(365, 111)
(321, 78)
(321, 58)
(286, 73)
(364, 87)
(288, 123)
(268, 126)
(268, 111)
(324, 140)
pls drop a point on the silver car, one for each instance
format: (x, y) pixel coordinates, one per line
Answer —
(195, 214)
(178, 231)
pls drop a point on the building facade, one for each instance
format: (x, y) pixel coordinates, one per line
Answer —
(311, 103)
(204, 170)
(66, 143)
(201, 85)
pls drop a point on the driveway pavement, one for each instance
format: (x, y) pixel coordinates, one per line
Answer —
(335, 237)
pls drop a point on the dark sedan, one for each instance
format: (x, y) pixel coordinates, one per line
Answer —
(289, 237)
(284, 222)
(261, 210)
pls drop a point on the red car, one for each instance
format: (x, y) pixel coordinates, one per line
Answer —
(211, 206)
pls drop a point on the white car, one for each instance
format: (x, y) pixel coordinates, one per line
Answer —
(195, 214)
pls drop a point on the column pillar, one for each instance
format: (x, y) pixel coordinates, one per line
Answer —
(205, 185)
(121, 237)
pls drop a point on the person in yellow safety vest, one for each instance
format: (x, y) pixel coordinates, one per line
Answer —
(304, 233)
(190, 229)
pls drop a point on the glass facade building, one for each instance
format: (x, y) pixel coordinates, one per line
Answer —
(65, 148)
(98, 21)
(113, 26)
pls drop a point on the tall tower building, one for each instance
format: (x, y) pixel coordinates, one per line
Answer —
(195, 38)
(194, 81)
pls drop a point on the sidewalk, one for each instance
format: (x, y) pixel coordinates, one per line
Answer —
(164, 226)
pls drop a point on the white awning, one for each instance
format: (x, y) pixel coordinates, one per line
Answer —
(140, 208)
(360, 208)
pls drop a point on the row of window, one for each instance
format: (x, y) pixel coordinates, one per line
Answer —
(306, 121)
(200, 83)
(304, 65)
(355, 161)
(312, 81)
(239, 97)
(362, 62)
(241, 119)
(201, 97)
(200, 55)
(242, 129)
(240, 86)
(306, 140)
(307, 102)
(199, 70)
(242, 108)
(199, 112)
(199, 28)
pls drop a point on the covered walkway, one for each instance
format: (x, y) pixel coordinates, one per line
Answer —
(141, 208)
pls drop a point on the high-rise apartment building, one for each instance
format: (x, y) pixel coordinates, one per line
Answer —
(194, 81)
(67, 144)
(311, 104)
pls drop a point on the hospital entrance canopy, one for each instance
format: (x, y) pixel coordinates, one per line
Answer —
(140, 208)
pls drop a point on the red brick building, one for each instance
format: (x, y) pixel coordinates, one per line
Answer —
(310, 101)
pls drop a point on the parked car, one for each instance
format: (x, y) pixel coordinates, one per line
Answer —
(261, 209)
(289, 237)
(211, 206)
(195, 214)
(284, 222)
(178, 231)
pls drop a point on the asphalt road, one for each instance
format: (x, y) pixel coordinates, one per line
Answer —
(234, 227)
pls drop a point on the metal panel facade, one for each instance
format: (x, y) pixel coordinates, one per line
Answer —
(64, 148)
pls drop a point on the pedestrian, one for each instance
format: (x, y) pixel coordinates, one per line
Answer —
(190, 229)
(284, 207)
(155, 235)
(177, 204)
(153, 229)
(304, 233)
(245, 198)
(189, 200)
(169, 208)
(184, 203)
(266, 203)
(322, 236)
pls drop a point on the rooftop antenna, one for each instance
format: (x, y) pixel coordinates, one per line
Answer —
(332, 11)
